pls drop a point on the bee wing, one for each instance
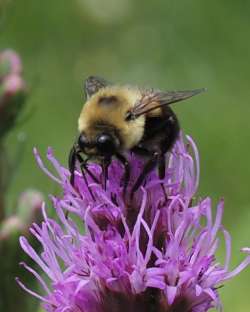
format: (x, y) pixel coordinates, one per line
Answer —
(93, 84)
(152, 99)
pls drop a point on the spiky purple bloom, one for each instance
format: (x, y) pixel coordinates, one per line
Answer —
(153, 253)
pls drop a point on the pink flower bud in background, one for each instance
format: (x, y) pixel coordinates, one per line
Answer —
(11, 227)
(12, 90)
(29, 206)
(13, 84)
(10, 63)
(28, 211)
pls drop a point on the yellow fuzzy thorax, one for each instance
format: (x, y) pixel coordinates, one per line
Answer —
(93, 112)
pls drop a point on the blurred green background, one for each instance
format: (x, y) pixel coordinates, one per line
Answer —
(165, 44)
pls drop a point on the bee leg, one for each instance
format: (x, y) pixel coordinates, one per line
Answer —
(161, 172)
(86, 181)
(160, 162)
(146, 169)
(161, 166)
(126, 175)
(71, 164)
(105, 165)
(83, 167)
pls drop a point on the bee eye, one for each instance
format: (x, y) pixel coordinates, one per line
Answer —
(82, 141)
(106, 144)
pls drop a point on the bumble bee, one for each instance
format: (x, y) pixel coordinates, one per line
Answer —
(116, 119)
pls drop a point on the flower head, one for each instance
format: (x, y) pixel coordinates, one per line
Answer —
(155, 252)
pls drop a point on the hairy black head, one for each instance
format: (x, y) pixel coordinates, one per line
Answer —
(103, 144)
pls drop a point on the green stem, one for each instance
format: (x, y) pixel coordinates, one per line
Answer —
(2, 214)
(2, 182)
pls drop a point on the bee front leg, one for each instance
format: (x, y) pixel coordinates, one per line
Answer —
(83, 167)
(83, 164)
(71, 163)
(105, 164)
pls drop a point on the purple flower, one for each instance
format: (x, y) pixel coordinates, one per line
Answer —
(155, 252)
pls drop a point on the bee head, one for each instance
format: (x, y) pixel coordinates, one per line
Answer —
(104, 144)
